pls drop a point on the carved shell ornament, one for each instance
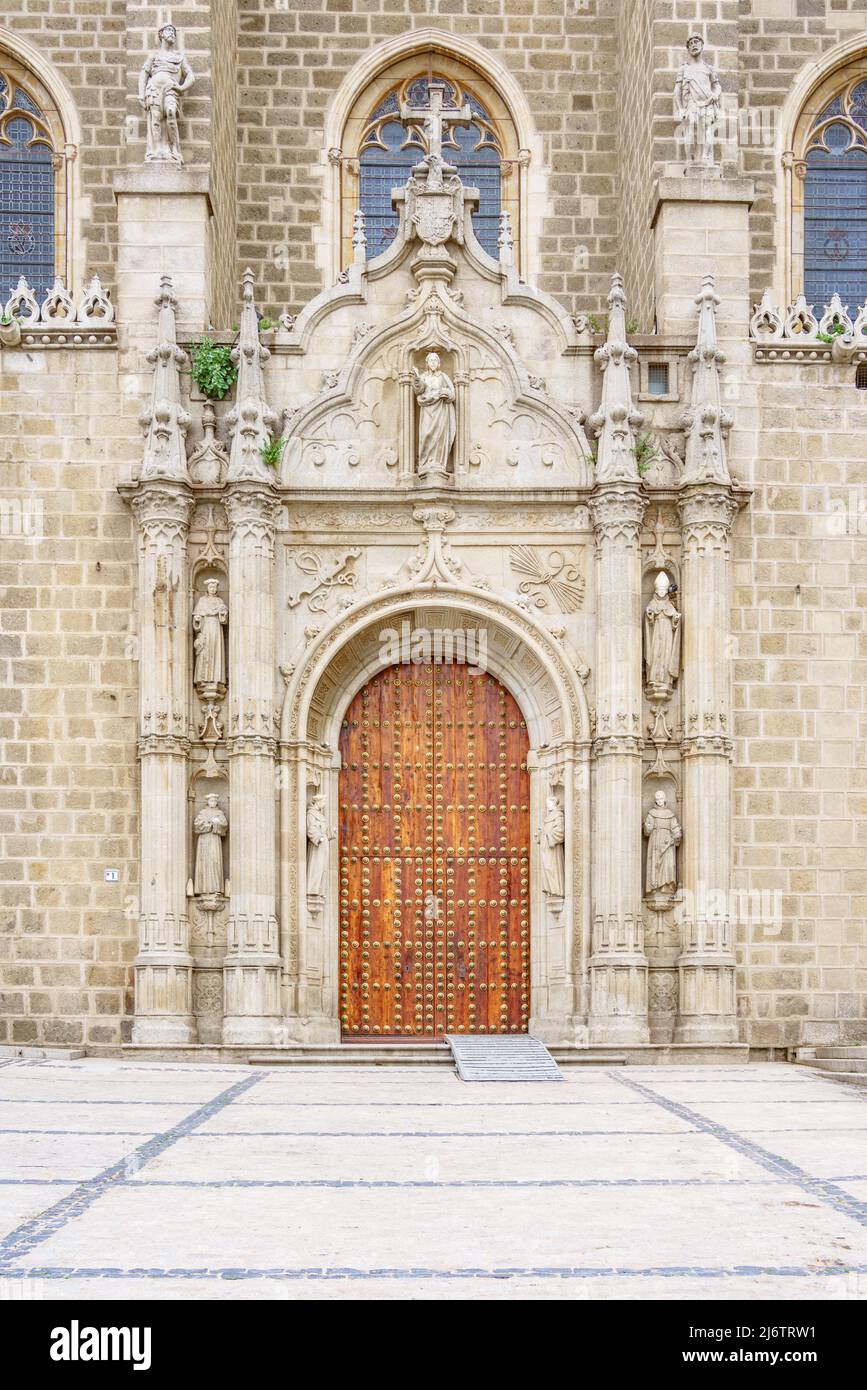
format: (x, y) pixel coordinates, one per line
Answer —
(563, 580)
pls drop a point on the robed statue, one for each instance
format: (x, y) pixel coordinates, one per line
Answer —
(318, 835)
(697, 99)
(661, 640)
(210, 827)
(210, 616)
(164, 76)
(552, 838)
(664, 834)
(435, 393)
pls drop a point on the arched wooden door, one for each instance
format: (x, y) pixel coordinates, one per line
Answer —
(434, 856)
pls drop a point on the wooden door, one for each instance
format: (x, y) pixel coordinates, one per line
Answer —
(434, 857)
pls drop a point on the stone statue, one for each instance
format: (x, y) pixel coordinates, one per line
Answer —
(661, 640)
(664, 834)
(210, 827)
(552, 837)
(210, 616)
(165, 75)
(318, 835)
(697, 97)
(435, 392)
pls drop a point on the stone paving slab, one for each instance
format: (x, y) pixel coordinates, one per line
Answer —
(508, 1158)
(236, 1182)
(74, 1156)
(626, 1227)
(628, 1116)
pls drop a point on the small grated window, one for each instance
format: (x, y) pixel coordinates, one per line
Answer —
(657, 379)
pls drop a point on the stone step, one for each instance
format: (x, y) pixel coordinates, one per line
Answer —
(406, 1055)
(841, 1064)
(833, 1051)
(852, 1078)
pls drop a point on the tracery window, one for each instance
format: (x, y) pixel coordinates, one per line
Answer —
(32, 195)
(390, 146)
(381, 146)
(835, 199)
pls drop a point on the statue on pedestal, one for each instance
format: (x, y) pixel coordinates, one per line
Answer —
(552, 838)
(318, 835)
(164, 76)
(661, 640)
(697, 101)
(210, 827)
(435, 393)
(210, 616)
(664, 834)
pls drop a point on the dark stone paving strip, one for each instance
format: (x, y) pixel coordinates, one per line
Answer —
(455, 1182)
(23, 1239)
(823, 1189)
(82, 1133)
(471, 1272)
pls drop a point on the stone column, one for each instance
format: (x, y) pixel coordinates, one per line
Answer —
(163, 966)
(252, 964)
(706, 966)
(618, 964)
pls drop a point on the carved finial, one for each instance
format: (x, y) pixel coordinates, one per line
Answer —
(165, 421)
(359, 238)
(615, 421)
(251, 420)
(705, 422)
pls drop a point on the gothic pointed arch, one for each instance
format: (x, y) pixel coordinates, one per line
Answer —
(39, 141)
(371, 146)
(823, 171)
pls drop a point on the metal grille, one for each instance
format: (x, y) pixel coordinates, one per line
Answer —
(26, 212)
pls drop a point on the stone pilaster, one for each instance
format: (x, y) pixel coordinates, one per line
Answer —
(706, 966)
(618, 964)
(252, 964)
(163, 966)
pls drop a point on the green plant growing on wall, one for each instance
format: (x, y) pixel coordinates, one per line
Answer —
(212, 368)
(644, 452)
(835, 330)
(272, 452)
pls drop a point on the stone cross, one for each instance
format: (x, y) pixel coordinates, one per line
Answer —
(432, 117)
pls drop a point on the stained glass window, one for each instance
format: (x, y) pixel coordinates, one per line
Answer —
(390, 147)
(835, 200)
(27, 206)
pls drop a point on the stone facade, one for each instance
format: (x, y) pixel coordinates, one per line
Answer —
(111, 745)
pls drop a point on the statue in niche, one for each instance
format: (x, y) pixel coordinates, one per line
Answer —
(435, 393)
(210, 616)
(664, 834)
(318, 836)
(164, 76)
(661, 640)
(697, 98)
(210, 827)
(552, 838)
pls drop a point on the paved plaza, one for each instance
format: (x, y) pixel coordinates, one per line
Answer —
(134, 1180)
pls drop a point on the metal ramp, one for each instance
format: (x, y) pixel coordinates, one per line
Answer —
(502, 1058)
